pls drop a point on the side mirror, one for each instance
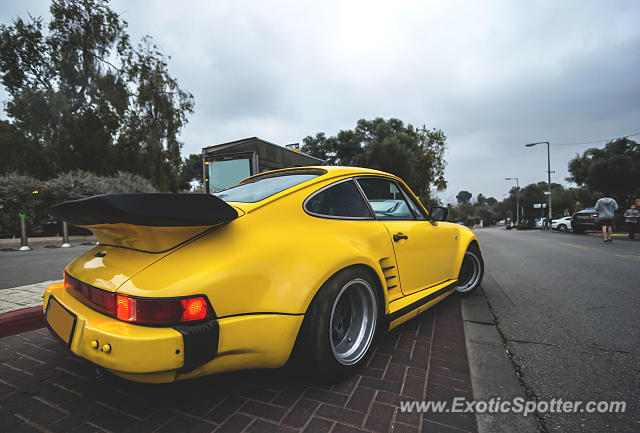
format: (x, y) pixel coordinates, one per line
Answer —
(438, 213)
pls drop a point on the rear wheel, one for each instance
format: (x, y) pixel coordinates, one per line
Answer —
(340, 325)
(471, 271)
(562, 228)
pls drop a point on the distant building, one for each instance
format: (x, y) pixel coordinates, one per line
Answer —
(226, 164)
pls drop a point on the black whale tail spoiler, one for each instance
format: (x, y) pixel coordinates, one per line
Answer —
(146, 222)
(152, 210)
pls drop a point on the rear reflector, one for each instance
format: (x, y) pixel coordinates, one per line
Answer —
(148, 311)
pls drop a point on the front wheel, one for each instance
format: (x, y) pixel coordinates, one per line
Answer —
(340, 325)
(471, 271)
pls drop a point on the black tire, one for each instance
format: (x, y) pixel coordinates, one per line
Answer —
(562, 228)
(319, 340)
(471, 271)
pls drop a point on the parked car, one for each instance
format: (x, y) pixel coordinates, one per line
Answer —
(313, 261)
(563, 224)
(586, 219)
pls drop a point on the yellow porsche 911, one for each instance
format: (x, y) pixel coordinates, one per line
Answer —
(311, 260)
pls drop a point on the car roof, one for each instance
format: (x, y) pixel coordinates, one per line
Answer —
(329, 171)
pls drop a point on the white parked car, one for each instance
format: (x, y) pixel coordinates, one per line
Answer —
(562, 224)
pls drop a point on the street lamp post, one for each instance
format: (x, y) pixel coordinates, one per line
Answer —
(548, 172)
(517, 198)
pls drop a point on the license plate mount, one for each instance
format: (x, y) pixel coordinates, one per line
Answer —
(60, 320)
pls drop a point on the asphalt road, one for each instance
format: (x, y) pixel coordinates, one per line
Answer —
(568, 307)
(19, 268)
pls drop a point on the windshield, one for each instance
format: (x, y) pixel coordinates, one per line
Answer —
(263, 187)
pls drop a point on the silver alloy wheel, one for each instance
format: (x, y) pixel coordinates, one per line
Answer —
(353, 321)
(469, 272)
(562, 228)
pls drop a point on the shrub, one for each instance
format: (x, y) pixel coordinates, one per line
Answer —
(17, 195)
(78, 184)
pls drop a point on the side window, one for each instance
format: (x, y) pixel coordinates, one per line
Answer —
(340, 200)
(415, 208)
(386, 199)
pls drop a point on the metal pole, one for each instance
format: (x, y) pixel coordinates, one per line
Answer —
(24, 245)
(517, 198)
(517, 201)
(549, 179)
(65, 236)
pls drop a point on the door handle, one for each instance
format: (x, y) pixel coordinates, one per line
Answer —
(398, 236)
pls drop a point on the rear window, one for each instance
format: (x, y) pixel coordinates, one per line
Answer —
(260, 188)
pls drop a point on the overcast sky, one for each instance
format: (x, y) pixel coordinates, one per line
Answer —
(492, 75)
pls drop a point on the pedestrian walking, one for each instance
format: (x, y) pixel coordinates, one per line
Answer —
(631, 218)
(606, 207)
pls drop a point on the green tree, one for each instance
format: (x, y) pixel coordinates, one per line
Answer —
(414, 154)
(563, 201)
(613, 171)
(463, 197)
(20, 155)
(190, 170)
(481, 200)
(581, 198)
(88, 99)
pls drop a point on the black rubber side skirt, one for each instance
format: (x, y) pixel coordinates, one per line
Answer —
(420, 302)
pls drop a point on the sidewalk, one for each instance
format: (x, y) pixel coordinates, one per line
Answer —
(17, 298)
(51, 240)
(43, 387)
(21, 308)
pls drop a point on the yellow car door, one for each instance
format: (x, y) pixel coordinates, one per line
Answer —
(424, 249)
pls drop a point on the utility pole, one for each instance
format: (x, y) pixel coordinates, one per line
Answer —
(517, 198)
(548, 173)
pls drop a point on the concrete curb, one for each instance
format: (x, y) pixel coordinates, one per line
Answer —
(492, 374)
(18, 321)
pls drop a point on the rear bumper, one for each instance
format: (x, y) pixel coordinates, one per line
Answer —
(157, 354)
(586, 225)
(134, 348)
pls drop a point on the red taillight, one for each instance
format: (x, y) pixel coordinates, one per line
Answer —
(99, 299)
(148, 311)
(126, 308)
(161, 311)
(194, 309)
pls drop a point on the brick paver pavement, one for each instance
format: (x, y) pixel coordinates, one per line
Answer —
(44, 388)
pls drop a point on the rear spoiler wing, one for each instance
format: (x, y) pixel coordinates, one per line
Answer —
(153, 210)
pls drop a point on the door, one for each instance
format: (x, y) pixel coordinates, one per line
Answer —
(424, 249)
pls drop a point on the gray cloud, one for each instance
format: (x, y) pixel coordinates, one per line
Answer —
(492, 75)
